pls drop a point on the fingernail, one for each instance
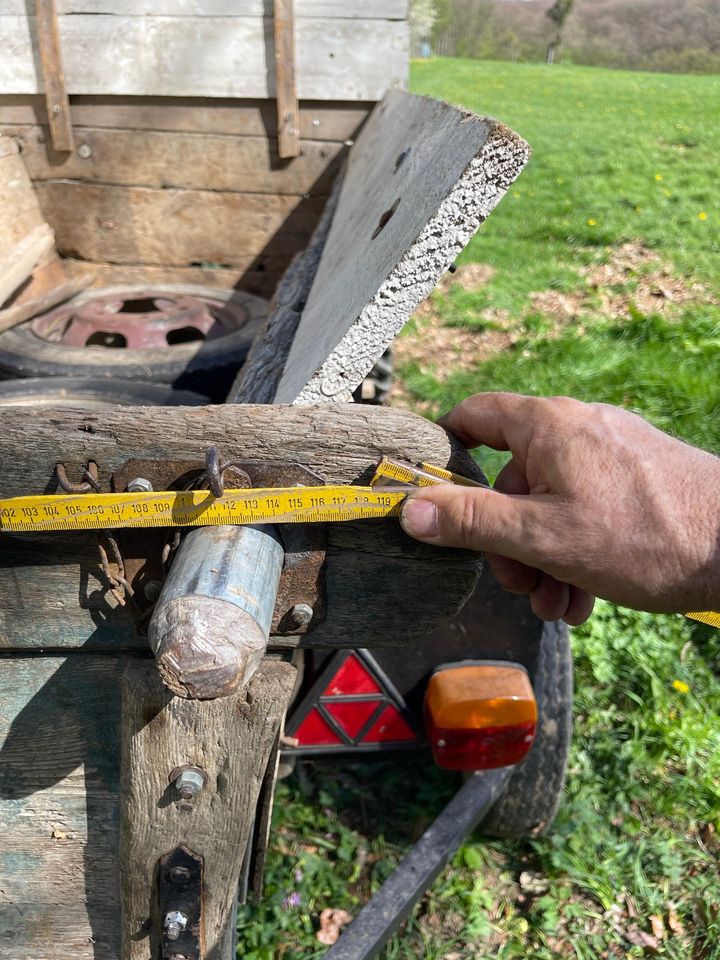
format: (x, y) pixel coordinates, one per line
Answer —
(419, 518)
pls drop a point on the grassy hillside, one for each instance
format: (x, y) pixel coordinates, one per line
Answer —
(596, 277)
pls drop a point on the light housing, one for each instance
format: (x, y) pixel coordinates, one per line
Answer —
(480, 715)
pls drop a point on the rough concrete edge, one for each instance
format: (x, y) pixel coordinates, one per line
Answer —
(482, 185)
(258, 379)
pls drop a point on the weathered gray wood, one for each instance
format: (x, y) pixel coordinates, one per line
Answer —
(337, 59)
(367, 9)
(59, 760)
(189, 161)
(285, 87)
(17, 264)
(230, 740)
(258, 379)
(319, 120)
(174, 227)
(52, 593)
(421, 179)
(17, 313)
(53, 80)
(19, 210)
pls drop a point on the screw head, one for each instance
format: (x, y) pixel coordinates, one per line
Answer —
(139, 485)
(189, 782)
(301, 614)
(84, 151)
(175, 922)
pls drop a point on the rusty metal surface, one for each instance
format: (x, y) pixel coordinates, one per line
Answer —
(146, 551)
(180, 896)
(148, 319)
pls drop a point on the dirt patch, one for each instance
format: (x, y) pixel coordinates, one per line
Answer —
(634, 277)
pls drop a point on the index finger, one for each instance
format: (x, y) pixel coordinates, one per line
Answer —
(502, 421)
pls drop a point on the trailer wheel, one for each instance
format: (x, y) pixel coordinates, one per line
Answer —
(532, 796)
(187, 336)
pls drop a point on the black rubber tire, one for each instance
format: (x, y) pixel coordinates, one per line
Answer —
(77, 392)
(532, 796)
(375, 388)
(206, 366)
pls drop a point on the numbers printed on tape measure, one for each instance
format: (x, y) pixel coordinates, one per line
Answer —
(195, 508)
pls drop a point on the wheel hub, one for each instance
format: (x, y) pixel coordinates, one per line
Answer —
(147, 319)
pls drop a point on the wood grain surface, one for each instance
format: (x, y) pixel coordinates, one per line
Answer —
(53, 594)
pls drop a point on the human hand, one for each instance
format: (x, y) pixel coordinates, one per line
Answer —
(594, 501)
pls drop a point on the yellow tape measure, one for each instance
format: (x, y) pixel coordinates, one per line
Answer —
(335, 503)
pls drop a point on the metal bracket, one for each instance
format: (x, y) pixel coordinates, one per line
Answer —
(180, 891)
(300, 604)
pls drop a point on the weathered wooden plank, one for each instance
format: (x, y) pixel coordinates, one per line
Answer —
(19, 211)
(335, 122)
(367, 10)
(230, 740)
(17, 264)
(421, 179)
(184, 160)
(59, 759)
(178, 227)
(285, 86)
(19, 312)
(53, 79)
(337, 59)
(258, 379)
(51, 590)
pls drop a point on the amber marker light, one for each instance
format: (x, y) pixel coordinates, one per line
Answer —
(480, 715)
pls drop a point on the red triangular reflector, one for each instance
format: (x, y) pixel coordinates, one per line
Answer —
(353, 677)
(390, 726)
(316, 731)
(352, 715)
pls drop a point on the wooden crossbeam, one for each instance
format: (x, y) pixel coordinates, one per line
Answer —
(58, 105)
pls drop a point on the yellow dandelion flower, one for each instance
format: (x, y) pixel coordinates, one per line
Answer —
(681, 686)
(516, 194)
(702, 215)
(658, 176)
(592, 223)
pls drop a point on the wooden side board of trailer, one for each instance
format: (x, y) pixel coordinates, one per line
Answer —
(181, 190)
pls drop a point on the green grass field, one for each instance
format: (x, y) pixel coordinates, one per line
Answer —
(599, 279)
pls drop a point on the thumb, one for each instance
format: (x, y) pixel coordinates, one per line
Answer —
(479, 519)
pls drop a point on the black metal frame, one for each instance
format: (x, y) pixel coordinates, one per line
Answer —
(391, 905)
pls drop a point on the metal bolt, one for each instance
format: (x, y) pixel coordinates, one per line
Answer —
(56, 109)
(151, 590)
(175, 923)
(139, 485)
(301, 614)
(84, 151)
(189, 782)
(179, 875)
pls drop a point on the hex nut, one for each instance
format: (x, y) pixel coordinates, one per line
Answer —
(175, 922)
(139, 485)
(189, 782)
(301, 614)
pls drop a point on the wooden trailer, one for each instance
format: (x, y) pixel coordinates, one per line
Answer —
(199, 141)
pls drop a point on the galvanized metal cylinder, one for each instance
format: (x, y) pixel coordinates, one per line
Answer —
(211, 624)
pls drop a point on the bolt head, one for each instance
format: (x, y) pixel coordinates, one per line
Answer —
(301, 614)
(84, 151)
(189, 783)
(140, 485)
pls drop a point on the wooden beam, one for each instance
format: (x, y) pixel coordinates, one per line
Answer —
(20, 312)
(17, 265)
(58, 105)
(230, 740)
(415, 586)
(285, 88)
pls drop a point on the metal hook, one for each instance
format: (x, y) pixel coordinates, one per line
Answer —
(214, 471)
(90, 482)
